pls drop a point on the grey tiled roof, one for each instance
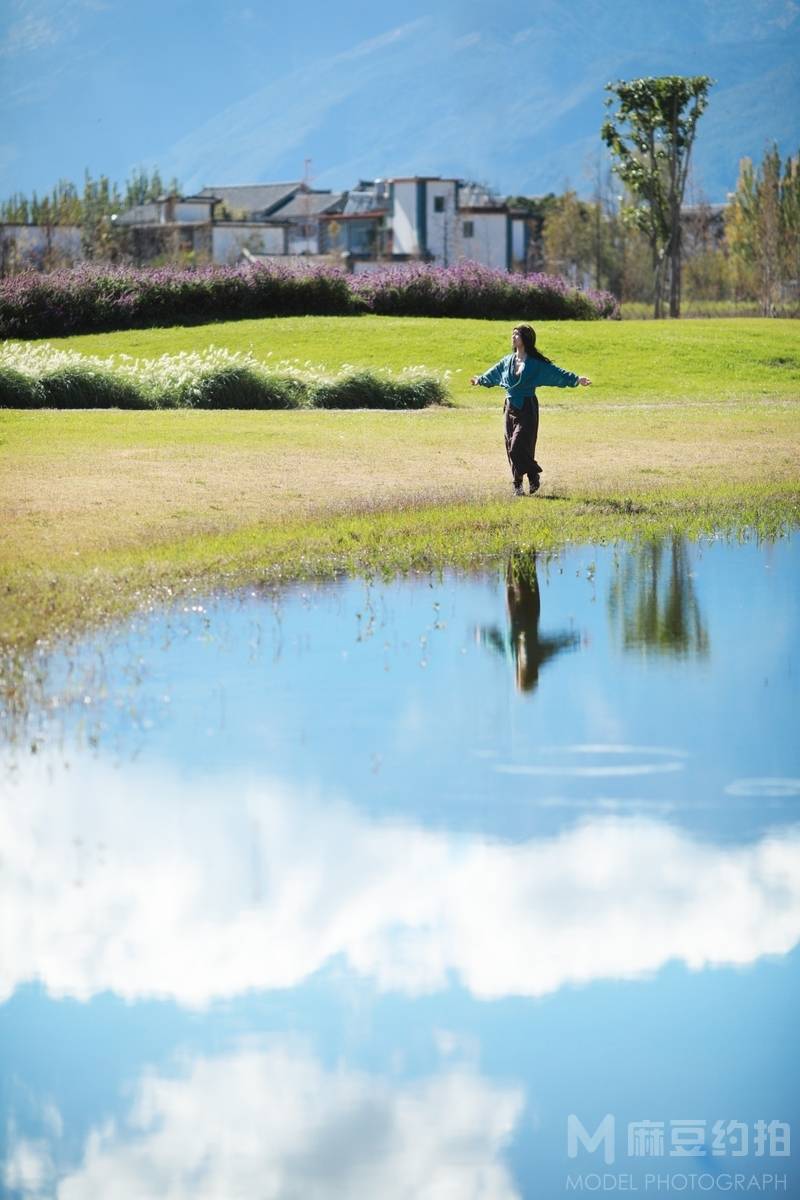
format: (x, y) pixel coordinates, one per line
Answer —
(252, 197)
(310, 204)
(364, 200)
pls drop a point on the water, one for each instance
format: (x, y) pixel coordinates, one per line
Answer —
(363, 890)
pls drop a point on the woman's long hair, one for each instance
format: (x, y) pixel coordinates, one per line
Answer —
(528, 336)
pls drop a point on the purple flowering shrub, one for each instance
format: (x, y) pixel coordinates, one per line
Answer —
(472, 290)
(90, 299)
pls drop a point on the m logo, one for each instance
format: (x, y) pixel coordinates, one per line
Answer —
(604, 1133)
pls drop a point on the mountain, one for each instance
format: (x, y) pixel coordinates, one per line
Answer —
(510, 94)
(518, 106)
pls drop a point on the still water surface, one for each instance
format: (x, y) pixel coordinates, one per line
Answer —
(361, 890)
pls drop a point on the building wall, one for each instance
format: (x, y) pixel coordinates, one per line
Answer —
(29, 245)
(404, 218)
(228, 238)
(364, 266)
(519, 240)
(441, 227)
(191, 212)
(300, 244)
(297, 260)
(489, 242)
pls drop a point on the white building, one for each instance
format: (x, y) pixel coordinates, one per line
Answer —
(447, 221)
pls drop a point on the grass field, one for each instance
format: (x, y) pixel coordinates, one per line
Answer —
(638, 310)
(662, 362)
(690, 426)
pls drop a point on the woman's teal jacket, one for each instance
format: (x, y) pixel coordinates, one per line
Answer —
(536, 372)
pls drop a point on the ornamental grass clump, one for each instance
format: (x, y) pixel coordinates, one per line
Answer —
(43, 376)
(46, 377)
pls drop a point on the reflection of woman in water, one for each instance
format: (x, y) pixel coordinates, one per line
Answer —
(520, 373)
(530, 650)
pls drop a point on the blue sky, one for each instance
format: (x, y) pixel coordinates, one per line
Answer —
(510, 94)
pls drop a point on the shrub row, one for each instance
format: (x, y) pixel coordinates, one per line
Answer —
(470, 290)
(45, 377)
(91, 299)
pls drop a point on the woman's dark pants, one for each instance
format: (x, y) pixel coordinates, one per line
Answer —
(522, 428)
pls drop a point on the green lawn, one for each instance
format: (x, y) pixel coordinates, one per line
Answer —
(689, 426)
(657, 362)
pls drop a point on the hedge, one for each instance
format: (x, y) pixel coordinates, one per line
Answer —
(91, 299)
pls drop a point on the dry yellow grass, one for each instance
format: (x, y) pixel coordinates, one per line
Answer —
(88, 483)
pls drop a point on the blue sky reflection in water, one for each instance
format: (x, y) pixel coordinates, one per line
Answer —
(361, 890)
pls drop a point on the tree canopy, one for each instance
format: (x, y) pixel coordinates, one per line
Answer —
(650, 130)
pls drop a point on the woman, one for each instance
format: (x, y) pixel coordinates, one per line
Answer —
(520, 373)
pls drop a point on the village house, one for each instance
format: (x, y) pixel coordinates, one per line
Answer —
(411, 218)
(166, 227)
(419, 218)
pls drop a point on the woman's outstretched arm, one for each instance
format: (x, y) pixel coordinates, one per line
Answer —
(489, 378)
(549, 375)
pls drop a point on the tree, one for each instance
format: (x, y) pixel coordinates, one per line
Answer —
(16, 210)
(143, 188)
(790, 224)
(567, 239)
(763, 226)
(100, 200)
(536, 210)
(650, 135)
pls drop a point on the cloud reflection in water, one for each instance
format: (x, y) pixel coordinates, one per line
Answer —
(147, 886)
(268, 1120)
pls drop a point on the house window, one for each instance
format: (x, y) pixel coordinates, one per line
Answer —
(468, 229)
(361, 237)
(438, 203)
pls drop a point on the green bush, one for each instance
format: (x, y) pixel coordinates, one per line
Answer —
(238, 387)
(365, 390)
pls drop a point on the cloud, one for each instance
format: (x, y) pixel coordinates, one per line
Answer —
(28, 1169)
(399, 34)
(268, 1120)
(40, 24)
(28, 35)
(771, 786)
(146, 885)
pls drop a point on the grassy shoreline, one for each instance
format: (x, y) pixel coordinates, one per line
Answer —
(40, 605)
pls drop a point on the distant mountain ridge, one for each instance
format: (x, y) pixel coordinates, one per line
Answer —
(519, 110)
